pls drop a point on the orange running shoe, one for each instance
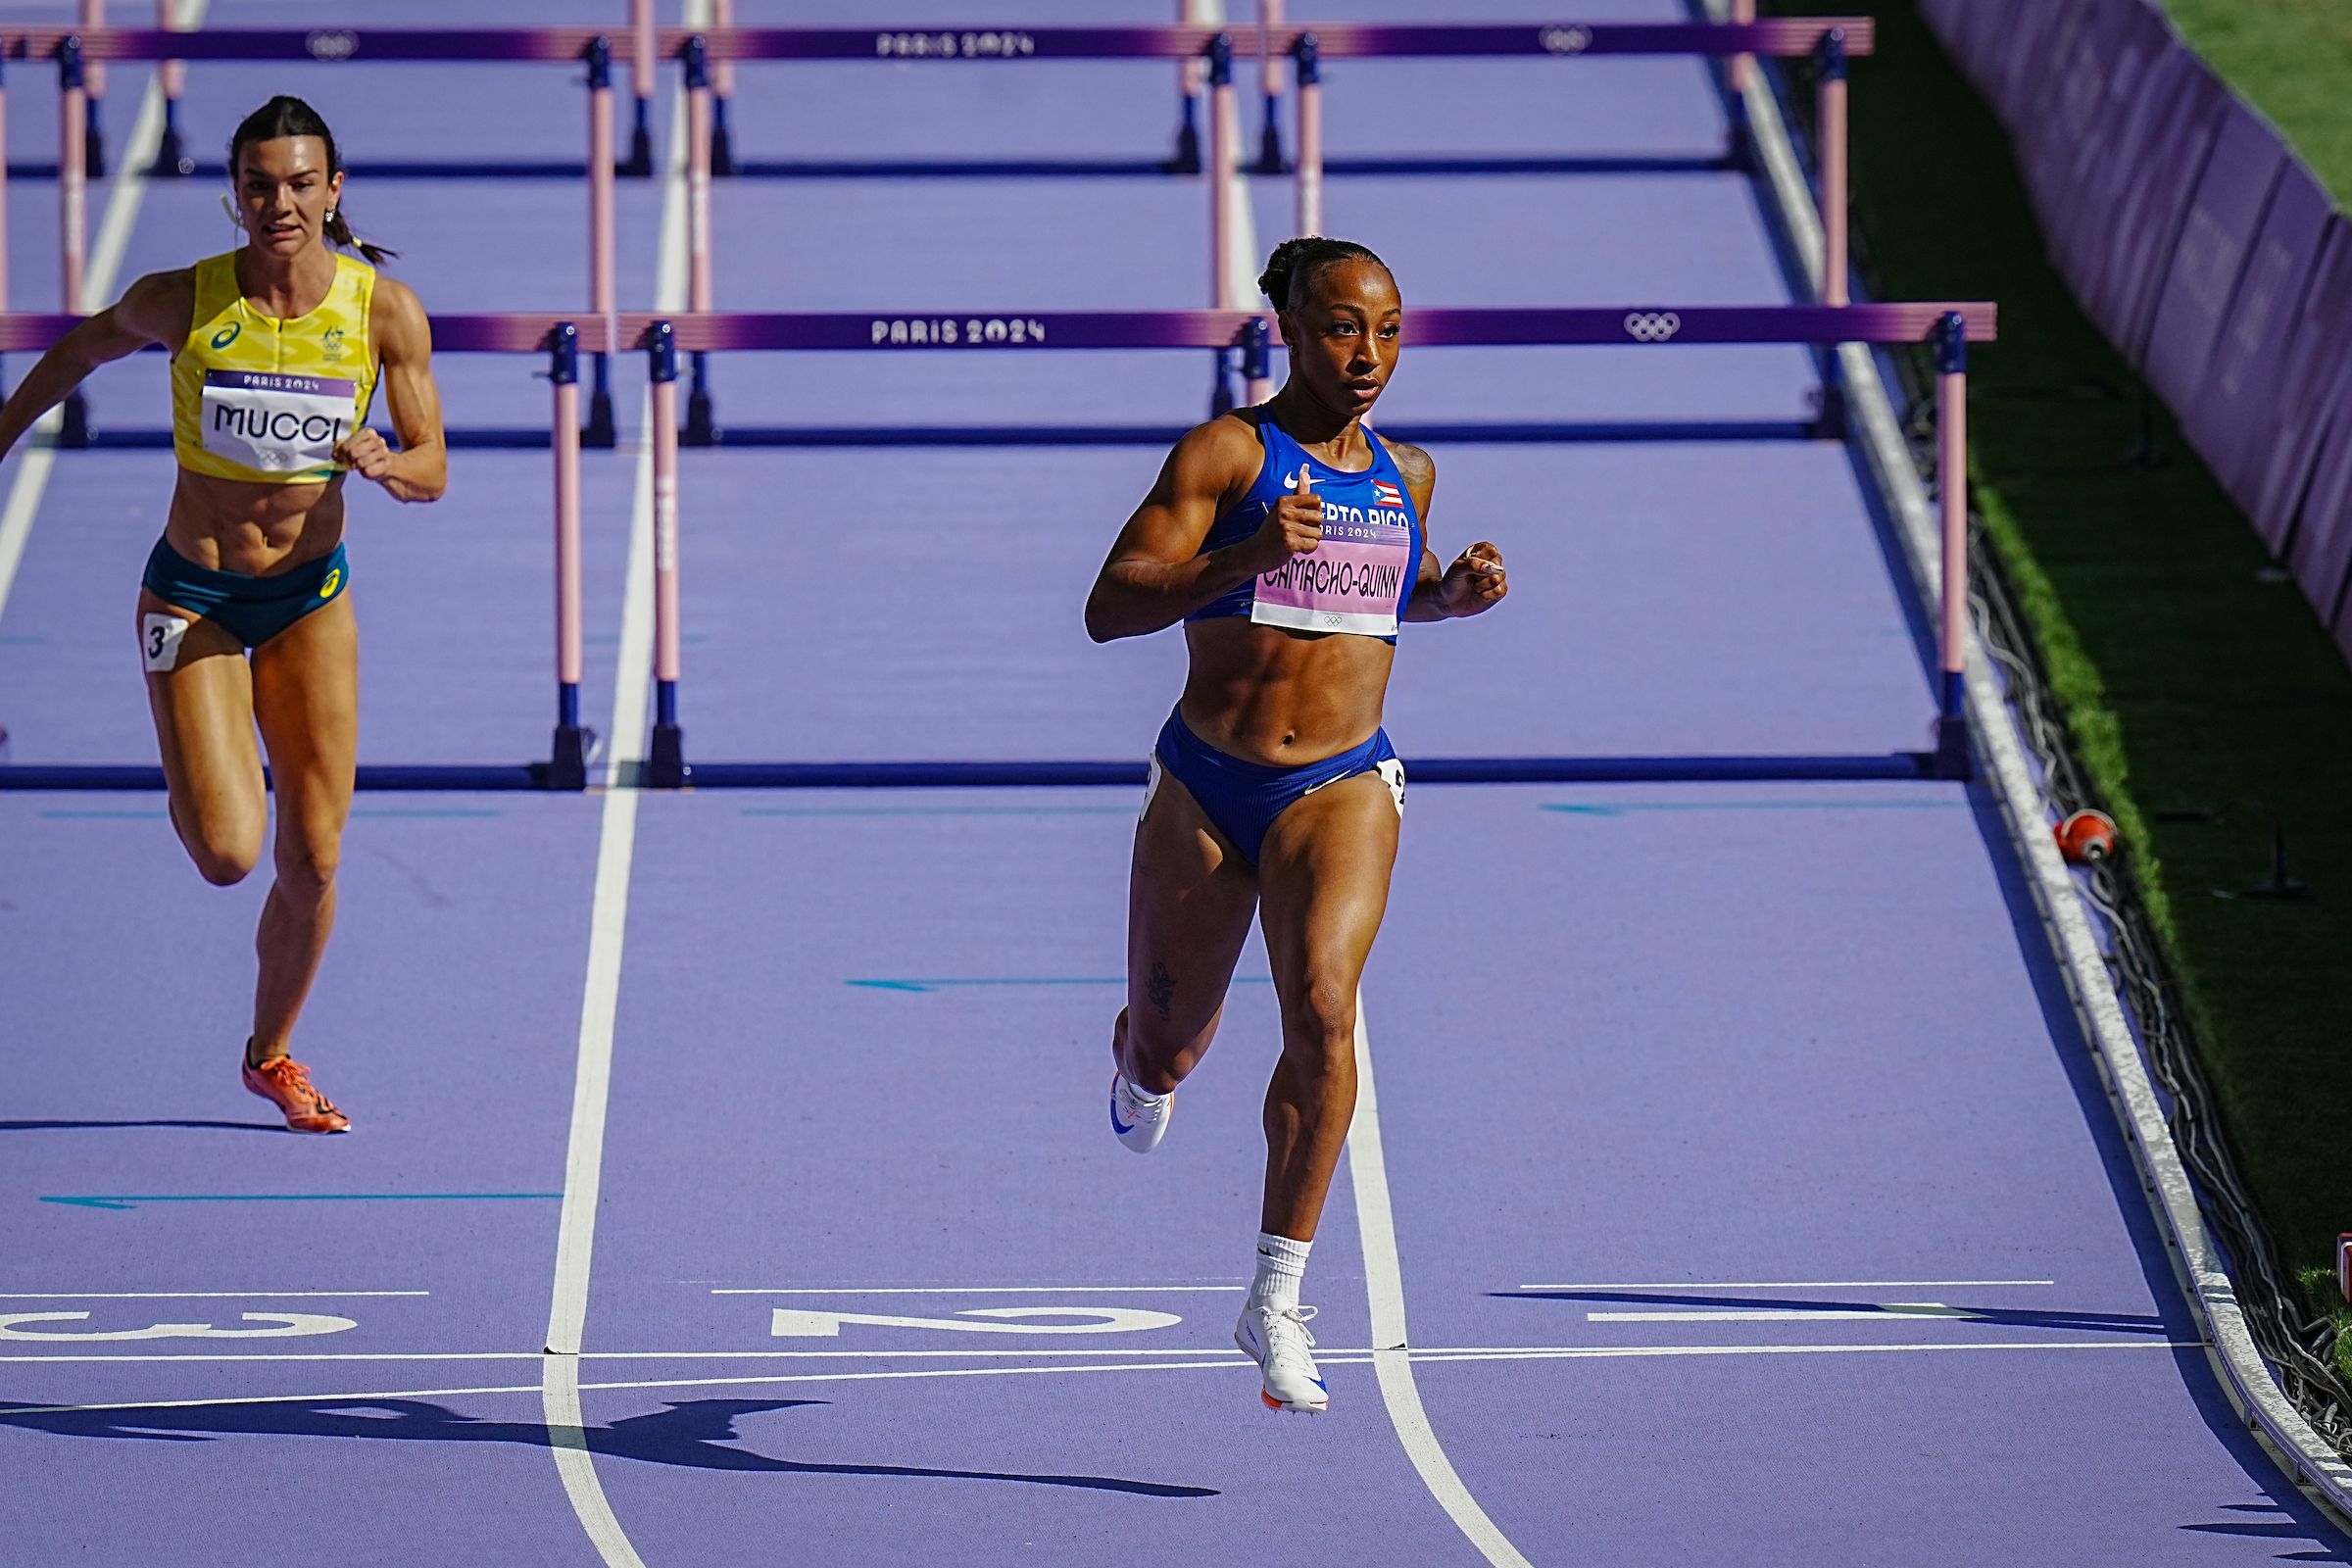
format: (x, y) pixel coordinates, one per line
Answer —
(286, 1083)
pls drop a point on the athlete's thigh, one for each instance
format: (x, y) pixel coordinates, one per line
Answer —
(1189, 901)
(200, 692)
(306, 698)
(1324, 882)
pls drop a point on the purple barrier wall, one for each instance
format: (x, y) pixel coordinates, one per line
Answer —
(1985, 29)
(2320, 550)
(2224, 220)
(2307, 381)
(2020, 56)
(2102, 122)
(2185, 103)
(2232, 414)
(2203, 249)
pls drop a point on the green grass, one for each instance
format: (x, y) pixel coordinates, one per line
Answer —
(2189, 673)
(2292, 59)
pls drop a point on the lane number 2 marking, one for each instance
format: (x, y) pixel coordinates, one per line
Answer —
(788, 1323)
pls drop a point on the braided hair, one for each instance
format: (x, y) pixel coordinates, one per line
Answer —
(1295, 262)
(284, 115)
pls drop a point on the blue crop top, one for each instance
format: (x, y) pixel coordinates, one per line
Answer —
(1352, 583)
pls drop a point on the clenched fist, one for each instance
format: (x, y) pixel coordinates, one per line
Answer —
(1293, 528)
(365, 453)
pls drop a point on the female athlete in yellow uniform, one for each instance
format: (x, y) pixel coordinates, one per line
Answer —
(276, 351)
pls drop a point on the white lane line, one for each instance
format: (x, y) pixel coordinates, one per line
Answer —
(182, 1296)
(973, 1290)
(584, 1155)
(1487, 1352)
(1204, 1360)
(1384, 1281)
(1791, 1284)
(34, 463)
(1776, 1314)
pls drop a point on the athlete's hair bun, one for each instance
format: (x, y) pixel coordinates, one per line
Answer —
(1296, 261)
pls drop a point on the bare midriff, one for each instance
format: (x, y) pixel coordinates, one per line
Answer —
(257, 530)
(1280, 697)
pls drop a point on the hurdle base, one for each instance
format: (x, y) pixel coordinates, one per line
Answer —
(1187, 160)
(639, 165)
(566, 764)
(1952, 758)
(73, 422)
(1835, 422)
(665, 765)
(171, 159)
(722, 151)
(600, 431)
(1270, 153)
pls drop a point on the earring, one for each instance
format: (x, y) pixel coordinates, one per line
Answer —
(330, 214)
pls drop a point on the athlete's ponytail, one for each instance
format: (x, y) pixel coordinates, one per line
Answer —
(285, 116)
(1295, 263)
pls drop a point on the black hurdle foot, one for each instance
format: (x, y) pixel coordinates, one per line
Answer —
(665, 768)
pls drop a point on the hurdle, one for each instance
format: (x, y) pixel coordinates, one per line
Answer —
(1947, 328)
(562, 340)
(1211, 51)
(77, 52)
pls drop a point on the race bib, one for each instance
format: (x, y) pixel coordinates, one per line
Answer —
(275, 423)
(1354, 580)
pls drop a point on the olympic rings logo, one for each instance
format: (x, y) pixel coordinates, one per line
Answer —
(1651, 326)
(329, 45)
(1567, 40)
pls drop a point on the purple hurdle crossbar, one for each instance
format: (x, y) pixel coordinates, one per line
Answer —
(76, 53)
(565, 768)
(1950, 328)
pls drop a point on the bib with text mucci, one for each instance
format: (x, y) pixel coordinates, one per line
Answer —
(1353, 582)
(274, 421)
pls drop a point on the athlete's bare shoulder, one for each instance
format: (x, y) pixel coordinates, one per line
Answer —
(159, 306)
(1419, 468)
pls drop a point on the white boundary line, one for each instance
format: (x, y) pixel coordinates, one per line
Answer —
(35, 460)
(584, 1155)
(184, 1296)
(1216, 1360)
(975, 1290)
(1786, 1285)
(2316, 1467)
(1384, 1284)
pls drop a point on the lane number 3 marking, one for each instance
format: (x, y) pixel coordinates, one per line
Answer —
(288, 1325)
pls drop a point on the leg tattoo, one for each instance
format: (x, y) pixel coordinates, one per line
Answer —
(1161, 990)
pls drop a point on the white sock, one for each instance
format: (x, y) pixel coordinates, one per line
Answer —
(1280, 1265)
(1139, 1091)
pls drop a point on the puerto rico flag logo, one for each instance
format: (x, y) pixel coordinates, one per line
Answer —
(1385, 494)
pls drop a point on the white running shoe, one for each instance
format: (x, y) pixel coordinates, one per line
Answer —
(1138, 1122)
(1276, 1338)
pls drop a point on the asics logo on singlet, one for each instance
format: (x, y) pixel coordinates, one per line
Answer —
(1651, 326)
(1567, 40)
(228, 335)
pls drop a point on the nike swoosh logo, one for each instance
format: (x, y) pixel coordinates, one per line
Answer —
(1115, 1116)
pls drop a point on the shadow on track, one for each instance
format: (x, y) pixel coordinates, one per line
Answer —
(100, 1126)
(692, 1435)
(2007, 1317)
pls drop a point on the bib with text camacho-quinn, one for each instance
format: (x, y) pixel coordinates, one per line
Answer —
(1355, 579)
(266, 400)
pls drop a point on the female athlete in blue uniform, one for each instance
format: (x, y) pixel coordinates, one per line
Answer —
(1288, 539)
(276, 349)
